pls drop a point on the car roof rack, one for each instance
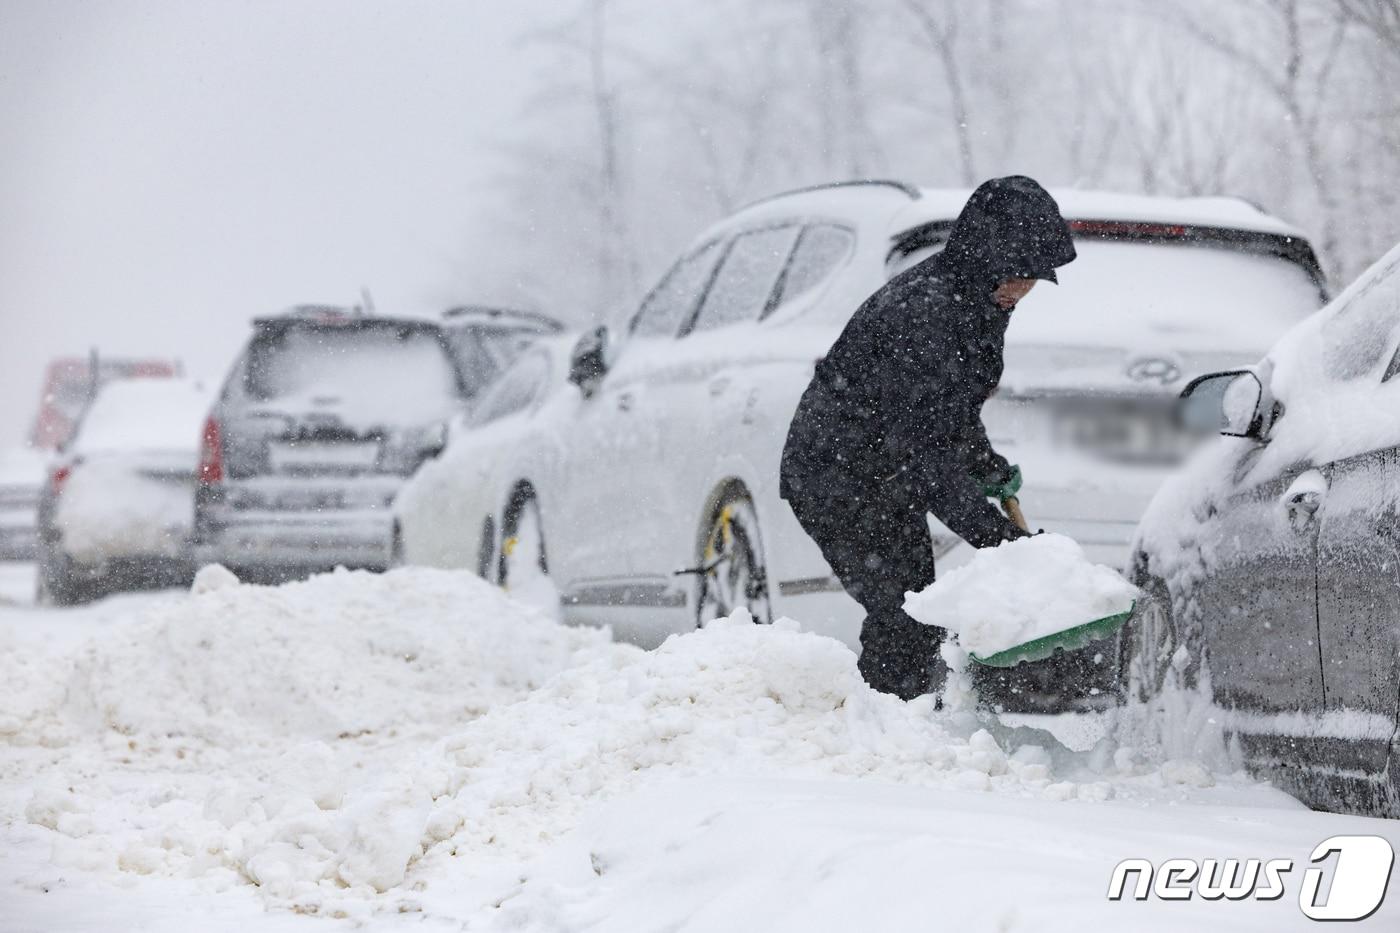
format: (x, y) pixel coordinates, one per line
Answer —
(501, 317)
(903, 187)
(321, 312)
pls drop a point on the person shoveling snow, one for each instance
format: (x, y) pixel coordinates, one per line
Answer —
(1022, 600)
(890, 427)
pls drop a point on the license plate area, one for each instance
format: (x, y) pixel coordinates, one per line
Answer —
(1124, 435)
(310, 458)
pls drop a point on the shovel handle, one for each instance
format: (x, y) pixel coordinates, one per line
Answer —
(1013, 512)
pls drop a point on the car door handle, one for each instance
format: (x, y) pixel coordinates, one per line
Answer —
(1304, 502)
(1304, 497)
(719, 384)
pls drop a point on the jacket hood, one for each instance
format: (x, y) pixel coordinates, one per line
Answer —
(1010, 228)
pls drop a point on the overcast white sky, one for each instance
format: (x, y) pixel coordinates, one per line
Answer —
(170, 169)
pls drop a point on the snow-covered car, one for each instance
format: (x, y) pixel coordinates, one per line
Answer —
(507, 435)
(22, 475)
(1272, 561)
(485, 339)
(320, 420)
(116, 511)
(654, 484)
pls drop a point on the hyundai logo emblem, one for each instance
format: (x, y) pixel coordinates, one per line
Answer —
(1154, 369)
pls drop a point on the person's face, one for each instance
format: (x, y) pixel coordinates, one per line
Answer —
(1012, 291)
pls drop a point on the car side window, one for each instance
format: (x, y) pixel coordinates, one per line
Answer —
(820, 250)
(476, 365)
(1357, 335)
(517, 388)
(744, 283)
(1393, 369)
(671, 303)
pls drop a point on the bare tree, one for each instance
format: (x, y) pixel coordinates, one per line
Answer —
(1295, 68)
(1381, 17)
(838, 28)
(940, 32)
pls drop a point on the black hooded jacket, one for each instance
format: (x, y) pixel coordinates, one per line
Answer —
(895, 407)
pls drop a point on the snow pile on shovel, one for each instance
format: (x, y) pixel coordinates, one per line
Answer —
(1020, 591)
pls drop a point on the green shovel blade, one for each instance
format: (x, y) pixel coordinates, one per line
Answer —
(1068, 640)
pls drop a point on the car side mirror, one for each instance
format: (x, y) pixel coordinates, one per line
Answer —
(588, 362)
(1229, 403)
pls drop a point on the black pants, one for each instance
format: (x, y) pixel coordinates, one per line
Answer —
(877, 543)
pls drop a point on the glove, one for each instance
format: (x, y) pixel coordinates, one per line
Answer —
(1001, 484)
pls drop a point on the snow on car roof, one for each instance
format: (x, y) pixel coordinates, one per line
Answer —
(905, 207)
(1076, 204)
(131, 415)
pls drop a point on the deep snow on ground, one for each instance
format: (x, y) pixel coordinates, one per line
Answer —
(415, 748)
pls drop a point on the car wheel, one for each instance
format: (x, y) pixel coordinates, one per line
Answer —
(1390, 782)
(396, 548)
(523, 564)
(1152, 648)
(56, 585)
(732, 574)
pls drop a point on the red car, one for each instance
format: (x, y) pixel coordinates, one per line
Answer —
(72, 381)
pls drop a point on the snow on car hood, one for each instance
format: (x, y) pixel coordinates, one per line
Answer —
(1326, 373)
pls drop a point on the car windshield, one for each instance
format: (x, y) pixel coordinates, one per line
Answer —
(385, 371)
(1178, 296)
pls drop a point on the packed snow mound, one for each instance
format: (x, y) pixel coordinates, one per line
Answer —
(343, 654)
(1020, 591)
(732, 699)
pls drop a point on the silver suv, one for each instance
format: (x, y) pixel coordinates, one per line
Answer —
(324, 415)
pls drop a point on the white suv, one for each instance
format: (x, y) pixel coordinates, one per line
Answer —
(649, 485)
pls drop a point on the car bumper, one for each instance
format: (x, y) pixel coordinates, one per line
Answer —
(297, 542)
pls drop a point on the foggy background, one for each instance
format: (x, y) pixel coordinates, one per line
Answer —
(170, 170)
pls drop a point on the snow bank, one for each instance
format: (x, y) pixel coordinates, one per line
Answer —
(359, 744)
(1021, 591)
(734, 699)
(285, 720)
(344, 654)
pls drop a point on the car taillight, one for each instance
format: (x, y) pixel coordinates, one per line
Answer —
(211, 454)
(58, 478)
(1126, 229)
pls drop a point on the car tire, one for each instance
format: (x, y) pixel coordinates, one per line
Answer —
(1390, 782)
(396, 548)
(732, 571)
(523, 562)
(56, 584)
(1151, 650)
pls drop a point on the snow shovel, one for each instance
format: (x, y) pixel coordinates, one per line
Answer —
(1069, 639)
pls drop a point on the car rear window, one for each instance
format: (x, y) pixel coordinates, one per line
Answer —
(143, 415)
(404, 372)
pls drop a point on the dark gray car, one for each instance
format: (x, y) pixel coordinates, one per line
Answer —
(1273, 560)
